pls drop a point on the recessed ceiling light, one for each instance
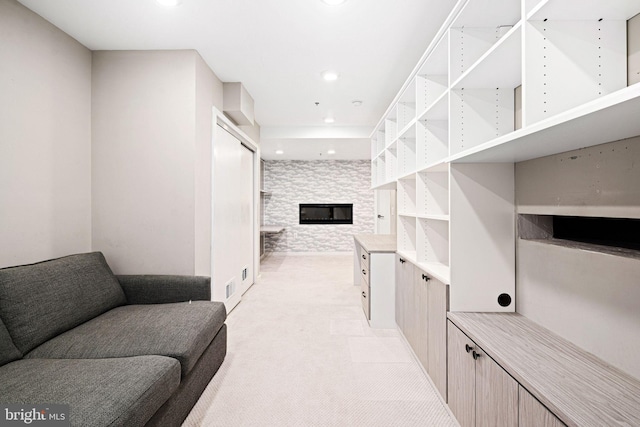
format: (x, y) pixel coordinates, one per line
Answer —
(169, 3)
(330, 76)
(356, 103)
(329, 120)
(331, 152)
(279, 152)
(333, 2)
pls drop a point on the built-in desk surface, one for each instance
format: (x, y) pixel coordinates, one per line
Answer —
(579, 388)
(376, 242)
(271, 229)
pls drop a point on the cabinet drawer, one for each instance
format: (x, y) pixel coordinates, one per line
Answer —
(364, 273)
(364, 298)
(364, 259)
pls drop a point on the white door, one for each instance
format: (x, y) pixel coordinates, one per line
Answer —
(246, 191)
(225, 242)
(385, 211)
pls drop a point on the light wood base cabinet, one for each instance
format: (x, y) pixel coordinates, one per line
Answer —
(421, 314)
(481, 393)
(533, 413)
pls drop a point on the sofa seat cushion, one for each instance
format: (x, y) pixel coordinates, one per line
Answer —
(99, 392)
(179, 330)
(42, 300)
(8, 351)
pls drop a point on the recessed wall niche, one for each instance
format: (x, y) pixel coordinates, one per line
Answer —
(615, 236)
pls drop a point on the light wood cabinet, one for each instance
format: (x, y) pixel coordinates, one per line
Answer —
(437, 307)
(533, 414)
(405, 298)
(421, 337)
(480, 392)
(422, 303)
(462, 377)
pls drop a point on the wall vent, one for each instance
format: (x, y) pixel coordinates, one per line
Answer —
(230, 288)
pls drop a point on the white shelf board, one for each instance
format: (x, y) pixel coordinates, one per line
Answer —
(408, 175)
(611, 118)
(584, 10)
(488, 13)
(411, 256)
(441, 166)
(393, 147)
(407, 130)
(439, 110)
(407, 214)
(434, 217)
(500, 66)
(440, 271)
(389, 185)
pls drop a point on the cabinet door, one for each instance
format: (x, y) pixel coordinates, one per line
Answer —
(421, 306)
(496, 394)
(461, 368)
(533, 414)
(400, 291)
(438, 305)
(409, 303)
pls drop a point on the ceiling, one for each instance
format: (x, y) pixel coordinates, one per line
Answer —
(278, 50)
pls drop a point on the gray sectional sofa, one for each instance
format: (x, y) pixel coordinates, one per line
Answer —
(119, 350)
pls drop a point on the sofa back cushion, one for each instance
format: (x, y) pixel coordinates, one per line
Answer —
(8, 350)
(42, 300)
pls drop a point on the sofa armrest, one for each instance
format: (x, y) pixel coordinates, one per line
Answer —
(159, 289)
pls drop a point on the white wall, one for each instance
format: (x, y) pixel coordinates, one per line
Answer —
(208, 94)
(292, 182)
(151, 160)
(589, 298)
(45, 139)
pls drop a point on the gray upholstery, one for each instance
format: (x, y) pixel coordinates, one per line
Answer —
(177, 408)
(8, 351)
(40, 301)
(104, 392)
(180, 330)
(150, 289)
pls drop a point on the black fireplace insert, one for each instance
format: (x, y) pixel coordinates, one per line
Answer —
(326, 213)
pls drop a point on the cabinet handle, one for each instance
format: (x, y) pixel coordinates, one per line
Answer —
(364, 272)
(364, 257)
(364, 295)
(475, 355)
(402, 261)
(426, 279)
(468, 348)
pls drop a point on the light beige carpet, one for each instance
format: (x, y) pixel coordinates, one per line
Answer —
(300, 353)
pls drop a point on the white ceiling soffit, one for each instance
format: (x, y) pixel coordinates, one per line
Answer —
(315, 143)
(276, 48)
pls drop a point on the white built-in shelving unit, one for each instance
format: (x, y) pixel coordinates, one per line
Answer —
(503, 81)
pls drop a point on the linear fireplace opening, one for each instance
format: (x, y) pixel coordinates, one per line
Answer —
(326, 213)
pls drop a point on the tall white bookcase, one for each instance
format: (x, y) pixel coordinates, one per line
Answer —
(502, 82)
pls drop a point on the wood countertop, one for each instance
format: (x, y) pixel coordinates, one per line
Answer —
(376, 242)
(579, 388)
